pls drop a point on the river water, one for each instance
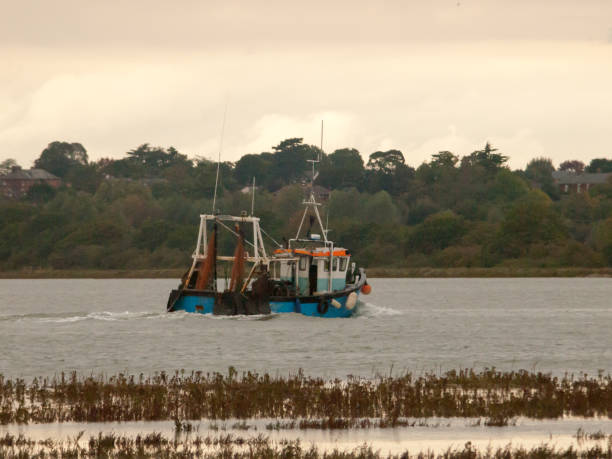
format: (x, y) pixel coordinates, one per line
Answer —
(432, 434)
(418, 325)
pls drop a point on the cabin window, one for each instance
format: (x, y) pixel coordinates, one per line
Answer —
(343, 263)
(303, 264)
(326, 266)
(335, 264)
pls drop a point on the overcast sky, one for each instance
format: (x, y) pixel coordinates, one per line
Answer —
(532, 77)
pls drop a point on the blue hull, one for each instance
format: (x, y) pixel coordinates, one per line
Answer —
(309, 307)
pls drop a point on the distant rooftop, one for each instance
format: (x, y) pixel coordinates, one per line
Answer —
(29, 174)
(571, 178)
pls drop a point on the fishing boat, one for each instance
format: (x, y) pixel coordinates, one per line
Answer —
(307, 275)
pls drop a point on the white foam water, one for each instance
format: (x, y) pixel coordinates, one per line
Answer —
(371, 310)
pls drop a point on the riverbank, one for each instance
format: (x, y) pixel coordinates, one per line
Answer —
(176, 273)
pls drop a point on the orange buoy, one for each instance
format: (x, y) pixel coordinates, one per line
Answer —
(366, 289)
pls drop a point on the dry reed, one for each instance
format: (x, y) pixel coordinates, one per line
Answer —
(496, 396)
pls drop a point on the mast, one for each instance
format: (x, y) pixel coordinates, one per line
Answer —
(311, 202)
(219, 157)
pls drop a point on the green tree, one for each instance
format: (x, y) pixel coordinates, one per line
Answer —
(342, 169)
(441, 168)
(508, 186)
(116, 168)
(387, 170)
(84, 177)
(486, 158)
(347, 203)
(290, 162)
(7, 165)
(575, 166)
(386, 161)
(539, 171)
(153, 234)
(379, 208)
(153, 160)
(59, 157)
(600, 165)
(252, 165)
(437, 232)
(40, 193)
(444, 159)
(602, 239)
(532, 219)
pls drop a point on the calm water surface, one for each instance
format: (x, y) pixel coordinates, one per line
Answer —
(436, 434)
(552, 325)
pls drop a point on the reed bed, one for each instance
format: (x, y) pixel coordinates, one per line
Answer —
(490, 394)
(355, 423)
(237, 447)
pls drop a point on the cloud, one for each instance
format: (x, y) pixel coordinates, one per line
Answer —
(257, 26)
(337, 130)
(529, 99)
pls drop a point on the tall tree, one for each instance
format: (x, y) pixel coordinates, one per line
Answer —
(291, 161)
(343, 168)
(539, 171)
(575, 166)
(254, 165)
(386, 161)
(444, 159)
(487, 158)
(532, 219)
(154, 159)
(59, 157)
(7, 165)
(600, 165)
(387, 170)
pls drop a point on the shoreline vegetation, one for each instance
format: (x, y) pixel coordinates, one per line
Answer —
(497, 397)
(176, 273)
(110, 445)
(450, 216)
(295, 401)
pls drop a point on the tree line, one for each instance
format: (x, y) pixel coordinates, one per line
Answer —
(141, 211)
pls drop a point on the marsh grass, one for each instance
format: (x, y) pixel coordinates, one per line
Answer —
(497, 396)
(581, 435)
(353, 423)
(260, 446)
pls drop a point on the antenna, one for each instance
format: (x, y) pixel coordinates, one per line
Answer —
(253, 199)
(314, 161)
(321, 149)
(219, 158)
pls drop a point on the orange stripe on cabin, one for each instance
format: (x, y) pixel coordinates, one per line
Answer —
(337, 253)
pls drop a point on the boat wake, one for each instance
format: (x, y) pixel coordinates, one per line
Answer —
(67, 317)
(370, 310)
(71, 317)
(364, 310)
